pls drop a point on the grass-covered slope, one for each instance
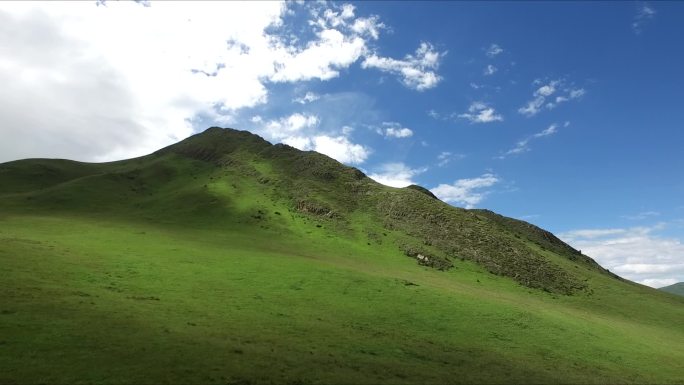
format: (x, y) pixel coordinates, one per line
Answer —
(225, 259)
(677, 288)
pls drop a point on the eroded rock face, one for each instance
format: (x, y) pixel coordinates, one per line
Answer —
(425, 259)
(315, 208)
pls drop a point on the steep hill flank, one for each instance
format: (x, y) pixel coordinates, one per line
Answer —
(222, 174)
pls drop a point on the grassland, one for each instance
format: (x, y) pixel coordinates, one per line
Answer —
(233, 261)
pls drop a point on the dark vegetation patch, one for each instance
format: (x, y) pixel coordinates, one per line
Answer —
(143, 298)
(461, 234)
(316, 208)
(427, 259)
(423, 190)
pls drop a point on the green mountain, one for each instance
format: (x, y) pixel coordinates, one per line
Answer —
(225, 259)
(677, 288)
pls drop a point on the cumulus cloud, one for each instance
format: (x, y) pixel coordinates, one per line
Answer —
(321, 59)
(343, 16)
(493, 50)
(542, 97)
(417, 71)
(99, 76)
(636, 253)
(279, 129)
(644, 14)
(394, 130)
(466, 192)
(523, 145)
(396, 174)
(340, 148)
(300, 130)
(480, 112)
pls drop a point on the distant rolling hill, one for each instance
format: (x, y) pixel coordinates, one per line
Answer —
(226, 259)
(677, 288)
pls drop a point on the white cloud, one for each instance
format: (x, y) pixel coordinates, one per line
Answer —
(445, 157)
(100, 75)
(103, 90)
(301, 131)
(659, 282)
(489, 70)
(636, 253)
(520, 147)
(417, 71)
(479, 112)
(321, 59)
(642, 215)
(645, 13)
(396, 174)
(346, 130)
(542, 94)
(571, 94)
(523, 145)
(549, 131)
(494, 50)
(592, 233)
(343, 17)
(341, 149)
(394, 130)
(533, 106)
(434, 114)
(398, 132)
(307, 98)
(574, 94)
(285, 127)
(467, 192)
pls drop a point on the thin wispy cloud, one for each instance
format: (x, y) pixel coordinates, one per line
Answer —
(480, 112)
(445, 157)
(523, 145)
(307, 98)
(434, 114)
(641, 216)
(644, 14)
(549, 96)
(493, 50)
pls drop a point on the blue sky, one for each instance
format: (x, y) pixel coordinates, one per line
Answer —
(564, 114)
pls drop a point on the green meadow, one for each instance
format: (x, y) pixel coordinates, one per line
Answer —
(223, 259)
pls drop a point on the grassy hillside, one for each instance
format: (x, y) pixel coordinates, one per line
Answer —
(677, 288)
(225, 259)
